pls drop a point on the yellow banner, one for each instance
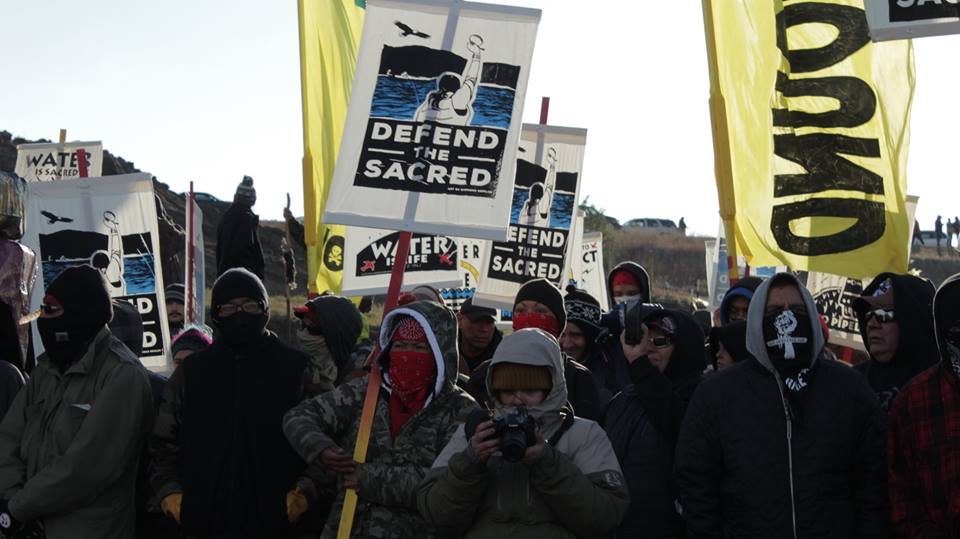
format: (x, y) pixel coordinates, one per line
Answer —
(817, 129)
(329, 37)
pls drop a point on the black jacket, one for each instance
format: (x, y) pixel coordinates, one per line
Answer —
(740, 455)
(917, 349)
(642, 423)
(219, 438)
(473, 362)
(583, 393)
(238, 240)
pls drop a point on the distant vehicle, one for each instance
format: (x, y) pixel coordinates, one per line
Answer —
(206, 197)
(650, 223)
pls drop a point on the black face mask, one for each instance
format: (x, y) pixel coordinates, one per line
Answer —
(242, 328)
(788, 337)
(952, 341)
(65, 338)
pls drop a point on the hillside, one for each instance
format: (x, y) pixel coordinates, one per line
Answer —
(676, 263)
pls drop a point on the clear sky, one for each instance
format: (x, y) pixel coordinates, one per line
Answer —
(209, 90)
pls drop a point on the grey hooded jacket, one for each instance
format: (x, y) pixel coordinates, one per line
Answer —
(754, 460)
(575, 489)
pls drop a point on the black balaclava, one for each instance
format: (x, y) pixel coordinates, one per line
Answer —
(242, 328)
(946, 315)
(788, 336)
(81, 292)
(127, 326)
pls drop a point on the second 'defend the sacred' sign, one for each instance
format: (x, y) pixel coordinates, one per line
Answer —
(370, 255)
(431, 133)
(545, 201)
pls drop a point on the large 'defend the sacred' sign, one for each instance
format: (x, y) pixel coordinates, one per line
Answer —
(431, 132)
(904, 19)
(43, 162)
(545, 201)
(370, 255)
(818, 123)
(109, 223)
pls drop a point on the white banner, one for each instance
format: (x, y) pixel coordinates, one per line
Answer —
(905, 19)
(572, 271)
(109, 223)
(194, 281)
(369, 254)
(545, 201)
(431, 133)
(45, 162)
(593, 276)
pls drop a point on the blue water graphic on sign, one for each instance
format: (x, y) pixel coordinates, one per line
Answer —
(400, 98)
(137, 272)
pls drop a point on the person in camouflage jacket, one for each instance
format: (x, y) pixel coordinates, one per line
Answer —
(405, 439)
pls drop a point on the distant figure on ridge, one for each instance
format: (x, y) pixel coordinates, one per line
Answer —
(238, 236)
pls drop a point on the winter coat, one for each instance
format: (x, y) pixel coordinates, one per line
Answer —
(388, 479)
(608, 366)
(917, 348)
(11, 382)
(574, 489)
(924, 442)
(238, 240)
(218, 438)
(750, 465)
(582, 387)
(642, 423)
(637, 271)
(70, 443)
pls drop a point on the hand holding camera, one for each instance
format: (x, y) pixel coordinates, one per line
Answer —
(514, 434)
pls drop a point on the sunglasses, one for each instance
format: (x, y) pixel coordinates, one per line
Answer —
(250, 307)
(660, 342)
(882, 315)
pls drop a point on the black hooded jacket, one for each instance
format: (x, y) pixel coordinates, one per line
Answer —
(917, 349)
(341, 324)
(734, 339)
(637, 271)
(744, 288)
(747, 468)
(643, 422)
(238, 240)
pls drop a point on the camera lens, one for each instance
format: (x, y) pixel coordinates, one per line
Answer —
(513, 445)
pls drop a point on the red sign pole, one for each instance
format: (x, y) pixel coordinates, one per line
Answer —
(544, 110)
(82, 162)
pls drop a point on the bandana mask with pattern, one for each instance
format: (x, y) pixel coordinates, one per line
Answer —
(411, 375)
(788, 338)
(546, 322)
(952, 342)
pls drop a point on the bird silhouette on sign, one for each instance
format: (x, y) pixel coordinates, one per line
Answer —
(53, 219)
(407, 31)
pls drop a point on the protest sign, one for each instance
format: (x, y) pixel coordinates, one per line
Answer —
(434, 119)
(593, 276)
(109, 223)
(545, 198)
(45, 162)
(369, 255)
(834, 297)
(572, 270)
(810, 186)
(905, 19)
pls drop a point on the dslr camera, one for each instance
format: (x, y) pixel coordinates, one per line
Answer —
(516, 430)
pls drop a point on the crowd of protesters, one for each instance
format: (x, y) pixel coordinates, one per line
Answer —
(637, 422)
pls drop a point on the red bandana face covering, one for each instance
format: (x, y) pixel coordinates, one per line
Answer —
(411, 381)
(546, 322)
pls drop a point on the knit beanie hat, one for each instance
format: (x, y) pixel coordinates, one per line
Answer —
(583, 310)
(127, 326)
(81, 291)
(193, 338)
(245, 191)
(507, 376)
(542, 291)
(236, 283)
(174, 292)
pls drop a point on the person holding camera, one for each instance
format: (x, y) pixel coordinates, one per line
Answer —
(533, 469)
(539, 304)
(418, 410)
(665, 351)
